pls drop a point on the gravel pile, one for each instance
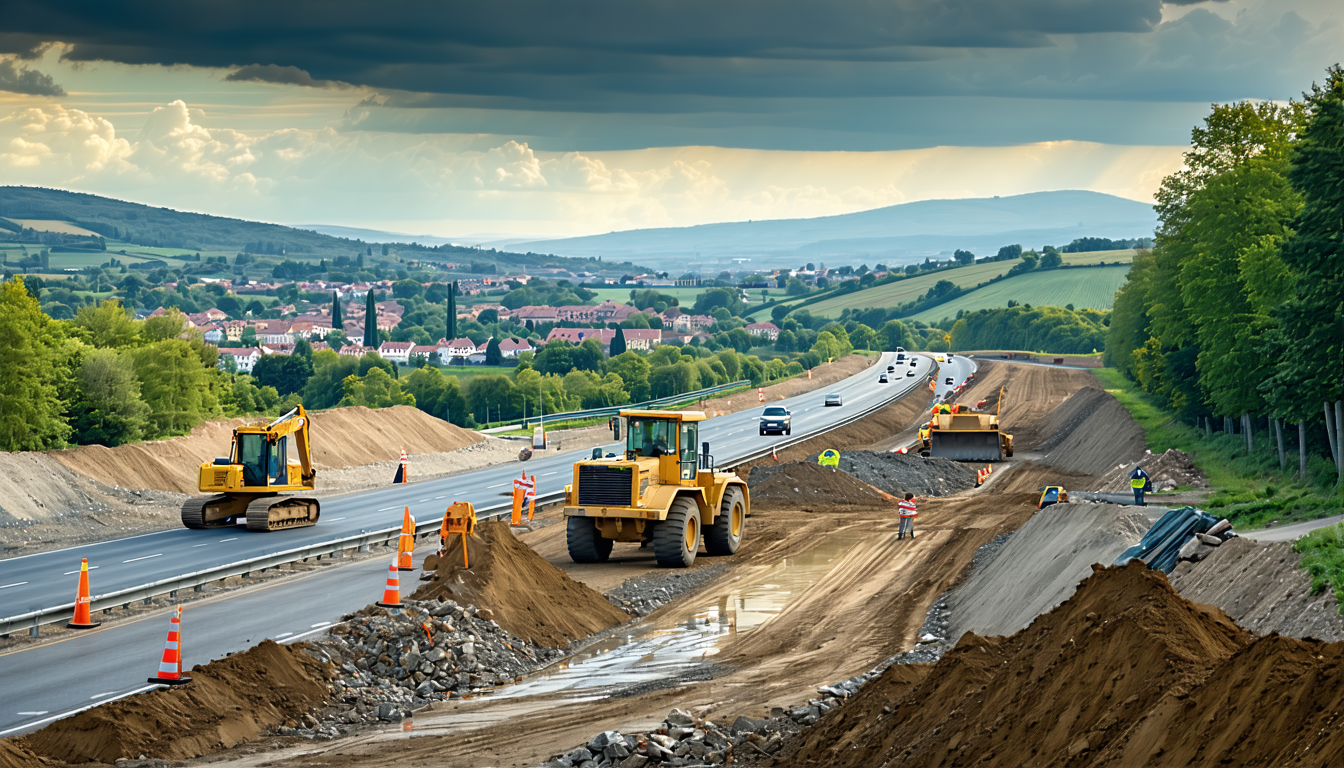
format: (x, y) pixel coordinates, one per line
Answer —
(643, 595)
(684, 739)
(393, 663)
(898, 473)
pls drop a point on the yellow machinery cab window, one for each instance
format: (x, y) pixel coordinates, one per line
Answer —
(651, 437)
(689, 432)
(252, 454)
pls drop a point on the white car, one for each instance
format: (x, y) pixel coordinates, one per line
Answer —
(834, 399)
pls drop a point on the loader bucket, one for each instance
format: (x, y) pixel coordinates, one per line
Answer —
(965, 445)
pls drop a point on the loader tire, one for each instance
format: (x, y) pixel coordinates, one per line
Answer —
(725, 535)
(677, 539)
(585, 542)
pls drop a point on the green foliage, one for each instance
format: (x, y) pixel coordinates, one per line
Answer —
(30, 408)
(438, 395)
(175, 384)
(1049, 328)
(370, 322)
(108, 410)
(286, 373)
(633, 371)
(375, 389)
(1322, 553)
(715, 298)
(330, 371)
(337, 319)
(107, 325)
(618, 341)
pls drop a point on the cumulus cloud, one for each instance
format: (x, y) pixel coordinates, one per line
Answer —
(17, 79)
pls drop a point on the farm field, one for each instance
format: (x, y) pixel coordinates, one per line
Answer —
(1097, 257)
(893, 294)
(1091, 288)
(52, 225)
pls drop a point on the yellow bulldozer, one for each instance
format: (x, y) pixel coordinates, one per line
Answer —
(956, 432)
(659, 492)
(265, 463)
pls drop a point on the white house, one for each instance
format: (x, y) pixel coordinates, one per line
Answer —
(768, 330)
(244, 359)
(396, 351)
(462, 348)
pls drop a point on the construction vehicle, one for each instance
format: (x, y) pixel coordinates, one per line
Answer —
(263, 465)
(961, 434)
(1052, 494)
(659, 492)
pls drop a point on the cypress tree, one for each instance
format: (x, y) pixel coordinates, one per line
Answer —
(618, 342)
(337, 321)
(452, 310)
(370, 321)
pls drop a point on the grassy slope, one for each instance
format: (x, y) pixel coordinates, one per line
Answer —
(1249, 489)
(1089, 288)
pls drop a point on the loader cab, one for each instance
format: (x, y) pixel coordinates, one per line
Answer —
(670, 437)
(264, 463)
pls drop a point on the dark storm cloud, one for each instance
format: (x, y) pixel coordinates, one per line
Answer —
(274, 73)
(16, 79)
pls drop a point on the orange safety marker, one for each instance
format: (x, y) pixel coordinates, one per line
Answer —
(170, 666)
(903, 449)
(83, 618)
(760, 394)
(774, 454)
(532, 498)
(392, 590)
(406, 542)
(523, 489)
(403, 470)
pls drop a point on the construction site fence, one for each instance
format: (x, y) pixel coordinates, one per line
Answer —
(362, 541)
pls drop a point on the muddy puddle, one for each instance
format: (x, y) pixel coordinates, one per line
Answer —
(643, 654)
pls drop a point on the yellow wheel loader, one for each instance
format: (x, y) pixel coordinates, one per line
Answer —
(964, 435)
(265, 463)
(659, 492)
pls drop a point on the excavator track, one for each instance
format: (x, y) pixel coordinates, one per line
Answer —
(194, 512)
(274, 513)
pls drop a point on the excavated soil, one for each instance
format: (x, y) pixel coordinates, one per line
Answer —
(1030, 394)
(1125, 673)
(342, 437)
(229, 701)
(526, 595)
(1091, 434)
(809, 486)
(900, 473)
(1167, 470)
(1040, 566)
(1262, 588)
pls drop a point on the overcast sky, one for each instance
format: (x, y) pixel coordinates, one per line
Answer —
(544, 117)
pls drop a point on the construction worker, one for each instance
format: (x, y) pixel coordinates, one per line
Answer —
(1138, 480)
(907, 513)
(944, 408)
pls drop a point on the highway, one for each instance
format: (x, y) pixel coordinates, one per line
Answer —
(45, 681)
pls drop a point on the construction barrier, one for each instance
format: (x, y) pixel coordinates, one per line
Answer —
(170, 666)
(83, 618)
(406, 542)
(459, 518)
(524, 490)
(760, 394)
(531, 498)
(392, 588)
(403, 470)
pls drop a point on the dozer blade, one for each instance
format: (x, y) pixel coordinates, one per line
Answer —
(212, 511)
(966, 446)
(273, 513)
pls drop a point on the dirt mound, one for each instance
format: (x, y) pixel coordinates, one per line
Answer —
(1030, 394)
(14, 756)
(1040, 566)
(527, 595)
(1167, 470)
(806, 485)
(899, 473)
(228, 702)
(1262, 588)
(342, 437)
(1090, 434)
(1125, 672)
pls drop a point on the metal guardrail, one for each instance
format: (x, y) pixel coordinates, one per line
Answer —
(612, 410)
(170, 586)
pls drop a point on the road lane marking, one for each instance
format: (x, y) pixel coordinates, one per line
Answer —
(385, 509)
(221, 541)
(334, 519)
(320, 624)
(496, 485)
(91, 568)
(100, 695)
(283, 634)
(436, 498)
(77, 710)
(43, 712)
(422, 501)
(15, 584)
(146, 557)
(305, 634)
(546, 474)
(193, 546)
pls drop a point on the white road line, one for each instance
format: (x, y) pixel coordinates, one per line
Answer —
(547, 474)
(422, 501)
(91, 568)
(334, 519)
(193, 546)
(146, 557)
(77, 710)
(283, 634)
(305, 634)
(100, 695)
(436, 498)
(43, 712)
(384, 509)
(496, 485)
(15, 584)
(320, 624)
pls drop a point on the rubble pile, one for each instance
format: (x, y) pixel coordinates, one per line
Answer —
(900, 473)
(391, 663)
(1168, 470)
(684, 739)
(643, 595)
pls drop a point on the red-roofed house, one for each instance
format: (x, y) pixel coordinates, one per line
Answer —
(396, 351)
(642, 338)
(462, 348)
(244, 359)
(352, 350)
(577, 336)
(768, 330)
(511, 347)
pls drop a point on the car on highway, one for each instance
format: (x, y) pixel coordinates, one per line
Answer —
(949, 381)
(940, 358)
(912, 362)
(891, 369)
(776, 418)
(834, 399)
(882, 379)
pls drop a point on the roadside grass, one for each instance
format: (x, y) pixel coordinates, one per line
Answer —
(1322, 553)
(1249, 489)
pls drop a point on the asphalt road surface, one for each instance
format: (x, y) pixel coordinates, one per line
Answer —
(46, 682)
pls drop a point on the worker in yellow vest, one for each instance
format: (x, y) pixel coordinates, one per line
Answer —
(1138, 480)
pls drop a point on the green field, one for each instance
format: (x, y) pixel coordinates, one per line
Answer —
(901, 291)
(622, 295)
(1096, 257)
(1091, 288)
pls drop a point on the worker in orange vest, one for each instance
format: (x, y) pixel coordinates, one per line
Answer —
(907, 513)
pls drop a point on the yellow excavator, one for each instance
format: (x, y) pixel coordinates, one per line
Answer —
(265, 463)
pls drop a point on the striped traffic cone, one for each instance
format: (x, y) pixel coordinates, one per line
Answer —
(392, 590)
(403, 470)
(170, 667)
(406, 544)
(83, 618)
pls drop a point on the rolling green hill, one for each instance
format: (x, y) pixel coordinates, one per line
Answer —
(1088, 288)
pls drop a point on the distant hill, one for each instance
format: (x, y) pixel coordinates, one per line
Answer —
(166, 228)
(899, 234)
(374, 235)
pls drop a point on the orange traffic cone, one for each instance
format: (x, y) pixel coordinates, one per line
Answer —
(83, 618)
(170, 667)
(403, 470)
(392, 591)
(532, 499)
(406, 544)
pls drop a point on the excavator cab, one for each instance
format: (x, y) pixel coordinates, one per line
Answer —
(251, 483)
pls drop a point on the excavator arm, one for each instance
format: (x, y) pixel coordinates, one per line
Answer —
(295, 423)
